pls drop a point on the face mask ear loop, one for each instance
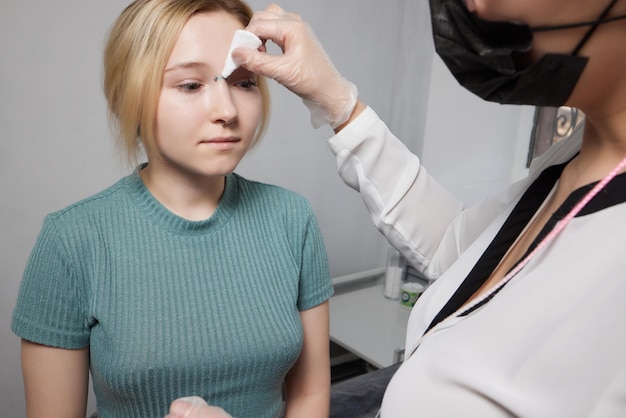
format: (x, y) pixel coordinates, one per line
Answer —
(592, 29)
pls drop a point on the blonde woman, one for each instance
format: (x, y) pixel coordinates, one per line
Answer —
(182, 278)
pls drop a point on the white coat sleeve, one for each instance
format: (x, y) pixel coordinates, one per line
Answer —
(406, 204)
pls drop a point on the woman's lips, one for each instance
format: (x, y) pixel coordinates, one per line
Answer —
(222, 143)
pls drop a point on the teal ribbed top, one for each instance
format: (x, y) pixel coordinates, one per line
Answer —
(171, 307)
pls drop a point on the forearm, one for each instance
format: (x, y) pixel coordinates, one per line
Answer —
(307, 394)
(313, 405)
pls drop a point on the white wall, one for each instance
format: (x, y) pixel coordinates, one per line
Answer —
(471, 146)
(55, 146)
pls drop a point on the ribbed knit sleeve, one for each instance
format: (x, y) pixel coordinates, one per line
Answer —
(49, 308)
(315, 284)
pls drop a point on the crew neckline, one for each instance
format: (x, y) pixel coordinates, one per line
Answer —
(156, 213)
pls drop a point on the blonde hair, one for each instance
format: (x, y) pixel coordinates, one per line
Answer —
(139, 45)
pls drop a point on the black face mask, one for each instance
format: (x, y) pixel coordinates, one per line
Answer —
(485, 56)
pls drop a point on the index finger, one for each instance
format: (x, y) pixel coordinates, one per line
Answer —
(274, 24)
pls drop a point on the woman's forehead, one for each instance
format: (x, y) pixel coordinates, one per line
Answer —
(205, 38)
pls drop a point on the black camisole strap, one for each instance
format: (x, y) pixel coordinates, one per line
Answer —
(527, 206)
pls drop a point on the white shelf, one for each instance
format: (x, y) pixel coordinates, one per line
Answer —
(369, 325)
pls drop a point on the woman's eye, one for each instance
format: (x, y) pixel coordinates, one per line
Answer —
(247, 84)
(193, 86)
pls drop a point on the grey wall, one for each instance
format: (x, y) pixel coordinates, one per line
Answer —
(55, 144)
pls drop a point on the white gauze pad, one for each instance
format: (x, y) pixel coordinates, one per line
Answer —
(242, 38)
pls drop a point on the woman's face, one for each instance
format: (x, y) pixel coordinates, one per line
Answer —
(204, 126)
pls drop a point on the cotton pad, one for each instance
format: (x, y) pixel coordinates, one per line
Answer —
(242, 38)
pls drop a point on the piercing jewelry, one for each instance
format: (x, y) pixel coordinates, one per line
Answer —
(217, 77)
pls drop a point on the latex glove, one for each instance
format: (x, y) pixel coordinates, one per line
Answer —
(304, 67)
(194, 407)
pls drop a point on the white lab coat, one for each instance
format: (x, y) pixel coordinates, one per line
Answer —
(551, 343)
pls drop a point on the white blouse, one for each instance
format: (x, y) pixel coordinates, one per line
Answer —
(551, 343)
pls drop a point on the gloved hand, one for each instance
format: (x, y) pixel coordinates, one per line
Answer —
(304, 67)
(194, 407)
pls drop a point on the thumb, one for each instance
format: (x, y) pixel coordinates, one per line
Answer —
(183, 407)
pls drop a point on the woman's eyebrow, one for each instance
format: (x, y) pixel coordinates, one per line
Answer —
(241, 72)
(186, 65)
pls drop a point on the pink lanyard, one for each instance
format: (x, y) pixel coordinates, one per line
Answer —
(548, 238)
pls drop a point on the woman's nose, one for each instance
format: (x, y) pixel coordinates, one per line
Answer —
(222, 109)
